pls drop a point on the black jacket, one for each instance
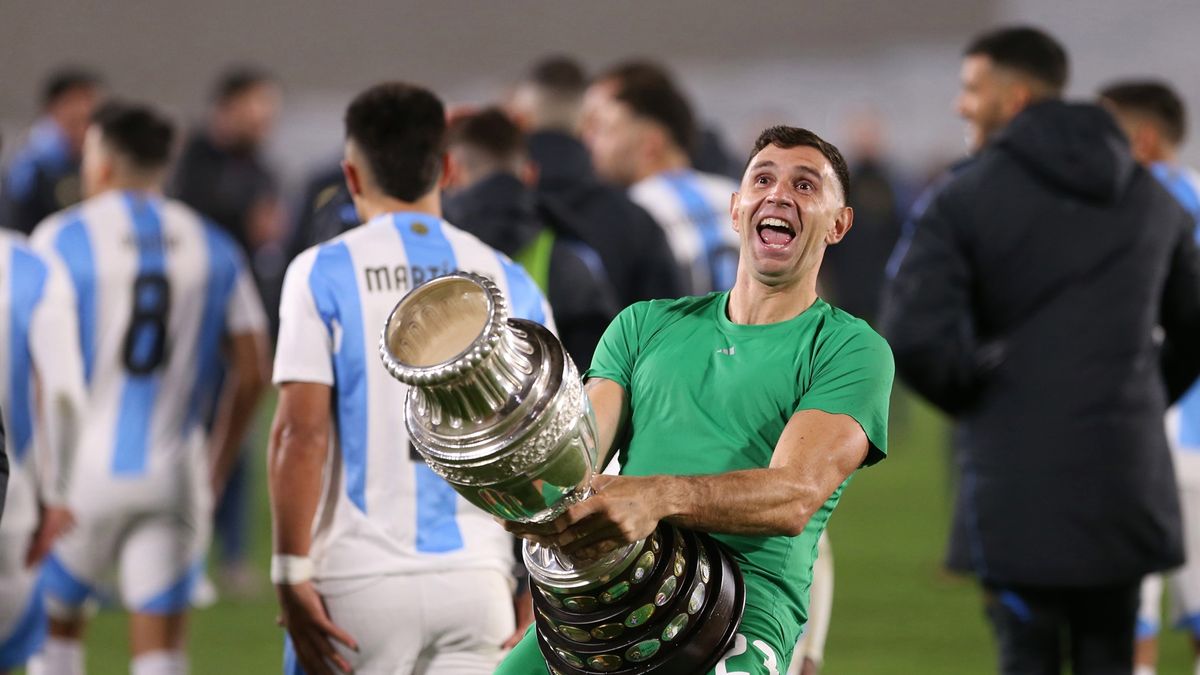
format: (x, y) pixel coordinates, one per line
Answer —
(630, 243)
(1027, 307)
(503, 213)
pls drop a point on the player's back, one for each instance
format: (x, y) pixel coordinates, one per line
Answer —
(152, 283)
(693, 210)
(384, 511)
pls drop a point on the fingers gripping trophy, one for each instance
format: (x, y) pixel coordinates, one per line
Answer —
(497, 409)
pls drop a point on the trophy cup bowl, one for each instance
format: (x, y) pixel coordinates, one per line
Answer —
(497, 409)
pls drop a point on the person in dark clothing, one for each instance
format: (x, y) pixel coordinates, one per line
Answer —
(44, 175)
(633, 248)
(1027, 307)
(325, 211)
(3, 471)
(488, 199)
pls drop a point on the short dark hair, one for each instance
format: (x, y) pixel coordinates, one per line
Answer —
(237, 80)
(560, 74)
(791, 137)
(1153, 98)
(650, 93)
(491, 132)
(137, 132)
(1028, 50)
(65, 80)
(401, 130)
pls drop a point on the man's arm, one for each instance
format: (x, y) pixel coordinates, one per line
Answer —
(815, 454)
(1180, 312)
(298, 448)
(245, 379)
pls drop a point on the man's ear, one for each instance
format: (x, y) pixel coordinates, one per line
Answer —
(733, 212)
(354, 182)
(842, 223)
(448, 176)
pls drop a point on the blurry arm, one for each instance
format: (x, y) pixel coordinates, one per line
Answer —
(1180, 313)
(245, 379)
(296, 455)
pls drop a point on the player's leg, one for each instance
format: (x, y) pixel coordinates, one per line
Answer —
(383, 616)
(809, 653)
(470, 615)
(1028, 626)
(22, 613)
(1145, 653)
(1102, 621)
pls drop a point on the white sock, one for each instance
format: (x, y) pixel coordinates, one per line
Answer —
(166, 662)
(59, 656)
(1144, 670)
(1197, 671)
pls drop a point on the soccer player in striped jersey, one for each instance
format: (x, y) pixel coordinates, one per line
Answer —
(639, 128)
(166, 306)
(379, 565)
(1152, 115)
(41, 397)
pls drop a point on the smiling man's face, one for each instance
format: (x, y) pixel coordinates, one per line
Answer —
(789, 207)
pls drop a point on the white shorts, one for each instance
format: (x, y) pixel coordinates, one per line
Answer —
(1183, 584)
(158, 557)
(448, 623)
(22, 614)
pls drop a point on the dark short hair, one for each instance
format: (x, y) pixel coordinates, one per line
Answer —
(1153, 98)
(1027, 50)
(66, 80)
(489, 131)
(237, 80)
(401, 130)
(791, 137)
(559, 74)
(650, 93)
(137, 132)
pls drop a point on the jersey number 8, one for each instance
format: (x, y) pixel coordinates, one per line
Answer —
(146, 338)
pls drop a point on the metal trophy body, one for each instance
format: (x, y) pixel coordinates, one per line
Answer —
(497, 409)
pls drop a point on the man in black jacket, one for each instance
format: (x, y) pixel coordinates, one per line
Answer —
(1027, 307)
(635, 252)
(486, 197)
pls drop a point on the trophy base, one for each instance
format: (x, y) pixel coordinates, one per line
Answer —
(675, 611)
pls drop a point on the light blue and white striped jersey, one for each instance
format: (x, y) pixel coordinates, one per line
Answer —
(37, 354)
(1184, 184)
(693, 210)
(383, 510)
(157, 291)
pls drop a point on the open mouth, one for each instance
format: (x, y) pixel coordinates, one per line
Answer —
(775, 232)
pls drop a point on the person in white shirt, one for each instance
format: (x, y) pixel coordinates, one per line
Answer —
(380, 567)
(165, 306)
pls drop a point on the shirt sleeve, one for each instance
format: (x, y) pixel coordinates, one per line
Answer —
(619, 347)
(853, 376)
(244, 313)
(304, 352)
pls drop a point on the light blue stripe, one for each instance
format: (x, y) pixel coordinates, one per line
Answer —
(722, 265)
(524, 296)
(291, 664)
(27, 282)
(60, 584)
(75, 248)
(1145, 629)
(140, 391)
(178, 596)
(223, 267)
(1190, 623)
(430, 255)
(27, 635)
(335, 293)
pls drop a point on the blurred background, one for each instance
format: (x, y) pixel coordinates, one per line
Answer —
(825, 66)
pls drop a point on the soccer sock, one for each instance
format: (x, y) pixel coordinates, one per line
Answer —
(160, 663)
(58, 657)
(1144, 670)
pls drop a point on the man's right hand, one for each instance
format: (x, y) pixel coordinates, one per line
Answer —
(308, 623)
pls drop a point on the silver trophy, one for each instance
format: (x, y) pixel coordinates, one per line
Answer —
(497, 409)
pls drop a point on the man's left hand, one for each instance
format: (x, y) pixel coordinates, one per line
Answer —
(54, 521)
(623, 510)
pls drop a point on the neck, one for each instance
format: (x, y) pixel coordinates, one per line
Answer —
(753, 303)
(151, 185)
(371, 207)
(670, 160)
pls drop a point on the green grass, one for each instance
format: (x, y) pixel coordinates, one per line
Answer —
(895, 612)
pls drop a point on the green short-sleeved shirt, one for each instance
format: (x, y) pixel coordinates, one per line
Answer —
(710, 396)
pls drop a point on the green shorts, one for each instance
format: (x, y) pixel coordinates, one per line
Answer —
(756, 650)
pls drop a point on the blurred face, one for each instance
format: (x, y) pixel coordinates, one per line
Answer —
(96, 170)
(616, 139)
(73, 113)
(788, 209)
(990, 97)
(250, 116)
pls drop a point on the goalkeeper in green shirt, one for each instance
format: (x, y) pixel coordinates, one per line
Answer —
(741, 413)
